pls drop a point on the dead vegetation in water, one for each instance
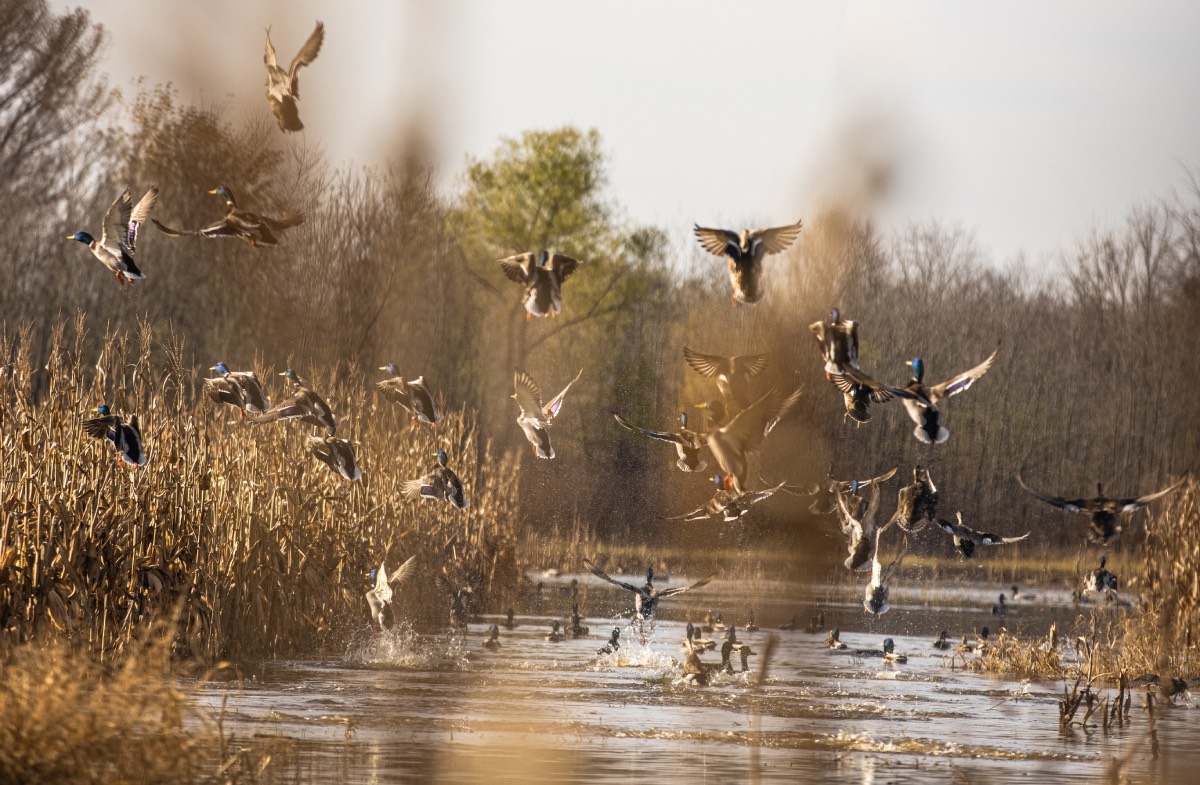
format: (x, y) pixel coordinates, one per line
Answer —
(267, 551)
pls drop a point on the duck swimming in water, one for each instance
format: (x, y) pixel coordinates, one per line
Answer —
(1018, 595)
(1100, 580)
(576, 630)
(891, 655)
(942, 643)
(554, 636)
(750, 625)
(493, 641)
(1001, 609)
(834, 639)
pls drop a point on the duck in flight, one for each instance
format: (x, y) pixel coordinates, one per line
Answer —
(542, 274)
(1105, 512)
(921, 401)
(283, 87)
(535, 417)
(258, 230)
(118, 235)
(646, 597)
(744, 252)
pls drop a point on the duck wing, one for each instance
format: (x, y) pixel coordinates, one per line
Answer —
(518, 267)
(527, 393)
(563, 265)
(682, 589)
(1070, 505)
(599, 573)
(307, 53)
(1130, 505)
(405, 571)
(718, 242)
(709, 365)
(673, 438)
(114, 231)
(960, 383)
(551, 409)
(777, 239)
(967, 533)
(138, 217)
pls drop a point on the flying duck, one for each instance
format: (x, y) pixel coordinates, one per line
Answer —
(283, 87)
(303, 405)
(439, 483)
(127, 439)
(542, 274)
(535, 416)
(118, 235)
(239, 389)
(744, 252)
(413, 395)
(922, 401)
(688, 443)
(966, 538)
(257, 230)
(1105, 512)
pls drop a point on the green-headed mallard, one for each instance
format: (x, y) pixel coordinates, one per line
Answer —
(412, 395)
(744, 252)
(118, 235)
(732, 374)
(916, 504)
(337, 454)
(554, 636)
(921, 403)
(303, 405)
(942, 643)
(1105, 512)
(1100, 580)
(875, 597)
(535, 416)
(240, 389)
(859, 391)
(258, 230)
(828, 490)
(439, 483)
(542, 274)
(890, 654)
(688, 443)
(834, 639)
(838, 341)
(283, 87)
(493, 640)
(645, 598)
(726, 504)
(612, 645)
(127, 439)
(966, 538)
(381, 594)
(733, 443)
(859, 530)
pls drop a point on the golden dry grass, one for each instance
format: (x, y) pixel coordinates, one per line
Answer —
(266, 549)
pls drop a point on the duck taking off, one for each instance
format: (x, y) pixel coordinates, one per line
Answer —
(966, 538)
(283, 87)
(838, 341)
(304, 405)
(916, 504)
(646, 597)
(875, 598)
(732, 374)
(414, 396)
(689, 444)
(127, 439)
(258, 230)
(828, 490)
(535, 417)
(744, 252)
(1105, 512)
(543, 275)
(859, 531)
(380, 596)
(1100, 580)
(337, 454)
(239, 389)
(440, 483)
(732, 444)
(118, 235)
(921, 403)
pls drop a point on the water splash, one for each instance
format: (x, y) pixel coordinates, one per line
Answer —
(401, 646)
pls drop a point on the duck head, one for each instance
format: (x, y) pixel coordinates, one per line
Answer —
(854, 486)
(390, 368)
(683, 419)
(291, 376)
(888, 645)
(715, 409)
(220, 368)
(543, 259)
(918, 367)
(731, 634)
(103, 411)
(649, 575)
(225, 193)
(441, 457)
(82, 237)
(835, 316)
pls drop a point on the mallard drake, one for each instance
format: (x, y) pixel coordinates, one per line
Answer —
(942, 643)
(240, 389)
(381, 594)
(535, 417)
(729, 506)
(127, 439)
(303, 405)
(834, 639)
(543, 275)
(966, 538)
(731, 645)
(612, 645)
(493, 641)
(118, 235)
(1001, 609)
(554, 636)
(283, 87)
(695, 636)
(890, 654)
(860, 531)
(838, 340)
(732, 374)
(645, 598)
(828, 490)
(875, 597)
(1019, 596)
(337, 454)
(859, 391)
(733, 443)
(921, 403)
(1105, 512)
(412, 395)
(460, 599)
(750, 625)
(1100, 580)
(688, 443)
(744, 252)
(916, 504)
(576, 630)
(440, 483)
(258, 230)
(509, 623)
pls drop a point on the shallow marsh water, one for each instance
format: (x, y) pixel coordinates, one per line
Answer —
(405, 707)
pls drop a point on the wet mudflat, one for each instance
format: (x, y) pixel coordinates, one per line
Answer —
(399, 706)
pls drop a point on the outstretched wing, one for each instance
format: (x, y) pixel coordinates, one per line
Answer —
(404, 572)
(880, 479)
(777, 239)
(961, 382)
(1070, 505)
(116, 222)
(965, 532)
(550, 410)
(850, 379)
(529, 395)
(674, 438)
(719, 242)
(563, 265)
(517, 267)
(710, 365)
(307, 53)
(599, 573)
(138, 217)
(269, 58)
(749, 364)
(682, 589)
(1129, 505)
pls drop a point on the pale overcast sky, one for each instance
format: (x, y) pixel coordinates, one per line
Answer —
(1027, 122)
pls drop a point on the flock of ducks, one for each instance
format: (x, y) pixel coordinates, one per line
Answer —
(738, 420)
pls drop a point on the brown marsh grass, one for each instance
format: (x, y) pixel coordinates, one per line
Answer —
(266, 550)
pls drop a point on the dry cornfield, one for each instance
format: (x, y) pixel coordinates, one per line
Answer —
(262, 548)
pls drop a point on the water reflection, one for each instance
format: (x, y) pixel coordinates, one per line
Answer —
(404, 706)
